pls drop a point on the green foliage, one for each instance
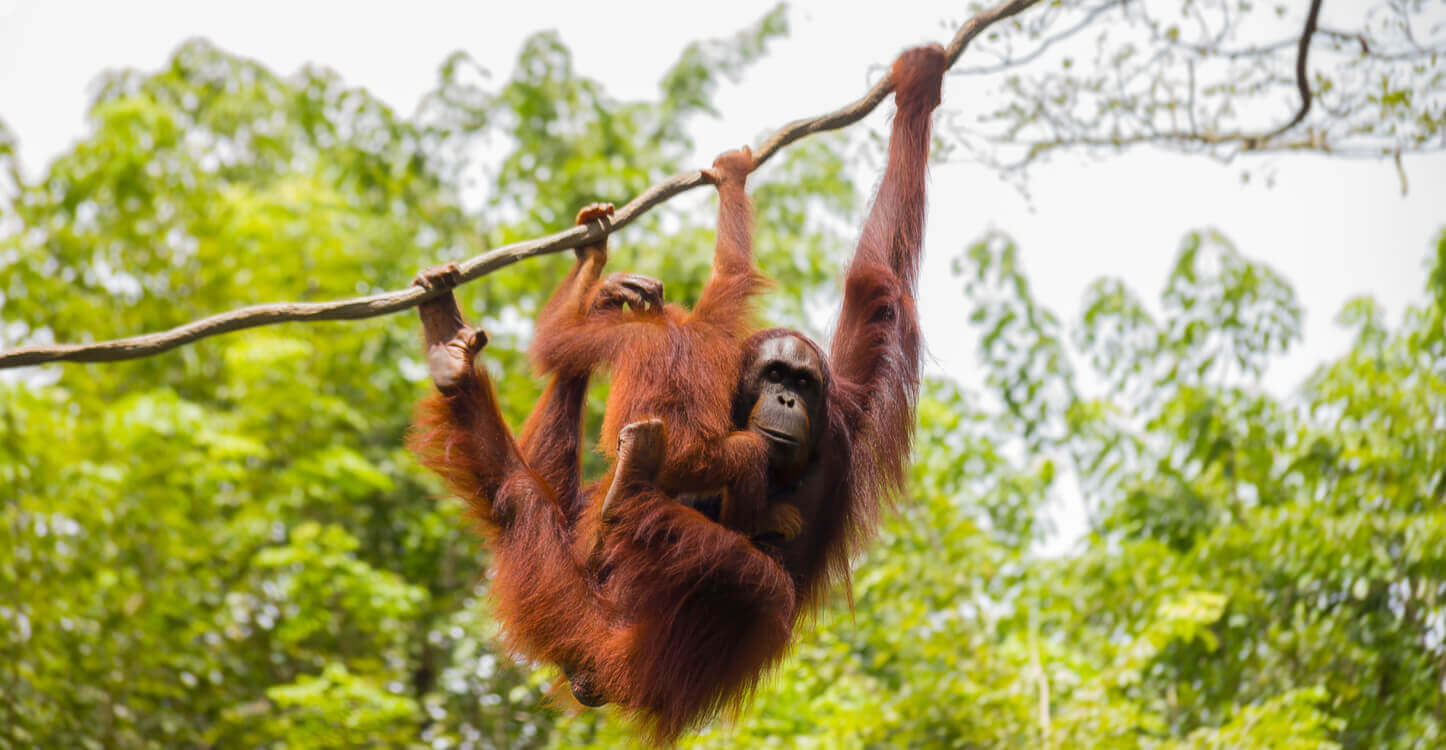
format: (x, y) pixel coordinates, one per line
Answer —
(1256, 572)
(227, 546)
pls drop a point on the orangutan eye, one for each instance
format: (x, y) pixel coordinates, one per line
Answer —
(774, 373)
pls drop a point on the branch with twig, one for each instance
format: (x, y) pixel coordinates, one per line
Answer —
(1102, 75)
(473, 268)
(1244, 141)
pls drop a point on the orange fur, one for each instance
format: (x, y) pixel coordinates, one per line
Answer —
(686, 615)
(676, 365)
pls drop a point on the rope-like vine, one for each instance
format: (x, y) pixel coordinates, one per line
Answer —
(144, 345)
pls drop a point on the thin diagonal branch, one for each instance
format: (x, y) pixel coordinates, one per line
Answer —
(1015, 62)
(476, 267)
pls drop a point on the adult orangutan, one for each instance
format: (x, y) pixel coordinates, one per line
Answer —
(684, 614)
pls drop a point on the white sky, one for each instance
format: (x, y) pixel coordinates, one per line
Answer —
(1336, 229)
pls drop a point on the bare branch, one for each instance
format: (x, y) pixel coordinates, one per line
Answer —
(1245, 141)
(1102, 74)
(1248, 143)
(476, 267)
(856, 111)
(1302, 75)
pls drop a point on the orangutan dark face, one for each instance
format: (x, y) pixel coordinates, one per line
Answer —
(782, 396)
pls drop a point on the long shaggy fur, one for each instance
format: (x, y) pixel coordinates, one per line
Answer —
(685, 615)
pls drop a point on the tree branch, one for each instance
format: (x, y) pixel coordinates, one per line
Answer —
(1014, 62)
(145, 345)
(1302, 76)
(1245, 141)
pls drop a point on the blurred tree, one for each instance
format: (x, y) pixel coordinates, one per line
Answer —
(227, 544)
(1258, 573)
(1211, 77)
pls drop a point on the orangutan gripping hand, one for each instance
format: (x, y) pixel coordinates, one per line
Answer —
(451, 344)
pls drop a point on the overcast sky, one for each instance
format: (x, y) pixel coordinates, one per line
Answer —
(1335, 228)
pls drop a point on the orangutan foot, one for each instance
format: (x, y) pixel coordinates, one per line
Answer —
(642, 293)
(640, 455)
(451, 362)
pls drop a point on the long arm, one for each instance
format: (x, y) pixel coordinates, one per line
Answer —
(584, 324)
(875, 350)
(552, 435)
(574, 295)
(460, 432)
(736, 462)
(542, 593)
(551, 440)
(734, 281)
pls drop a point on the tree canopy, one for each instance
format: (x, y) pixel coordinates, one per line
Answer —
(226, 545)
